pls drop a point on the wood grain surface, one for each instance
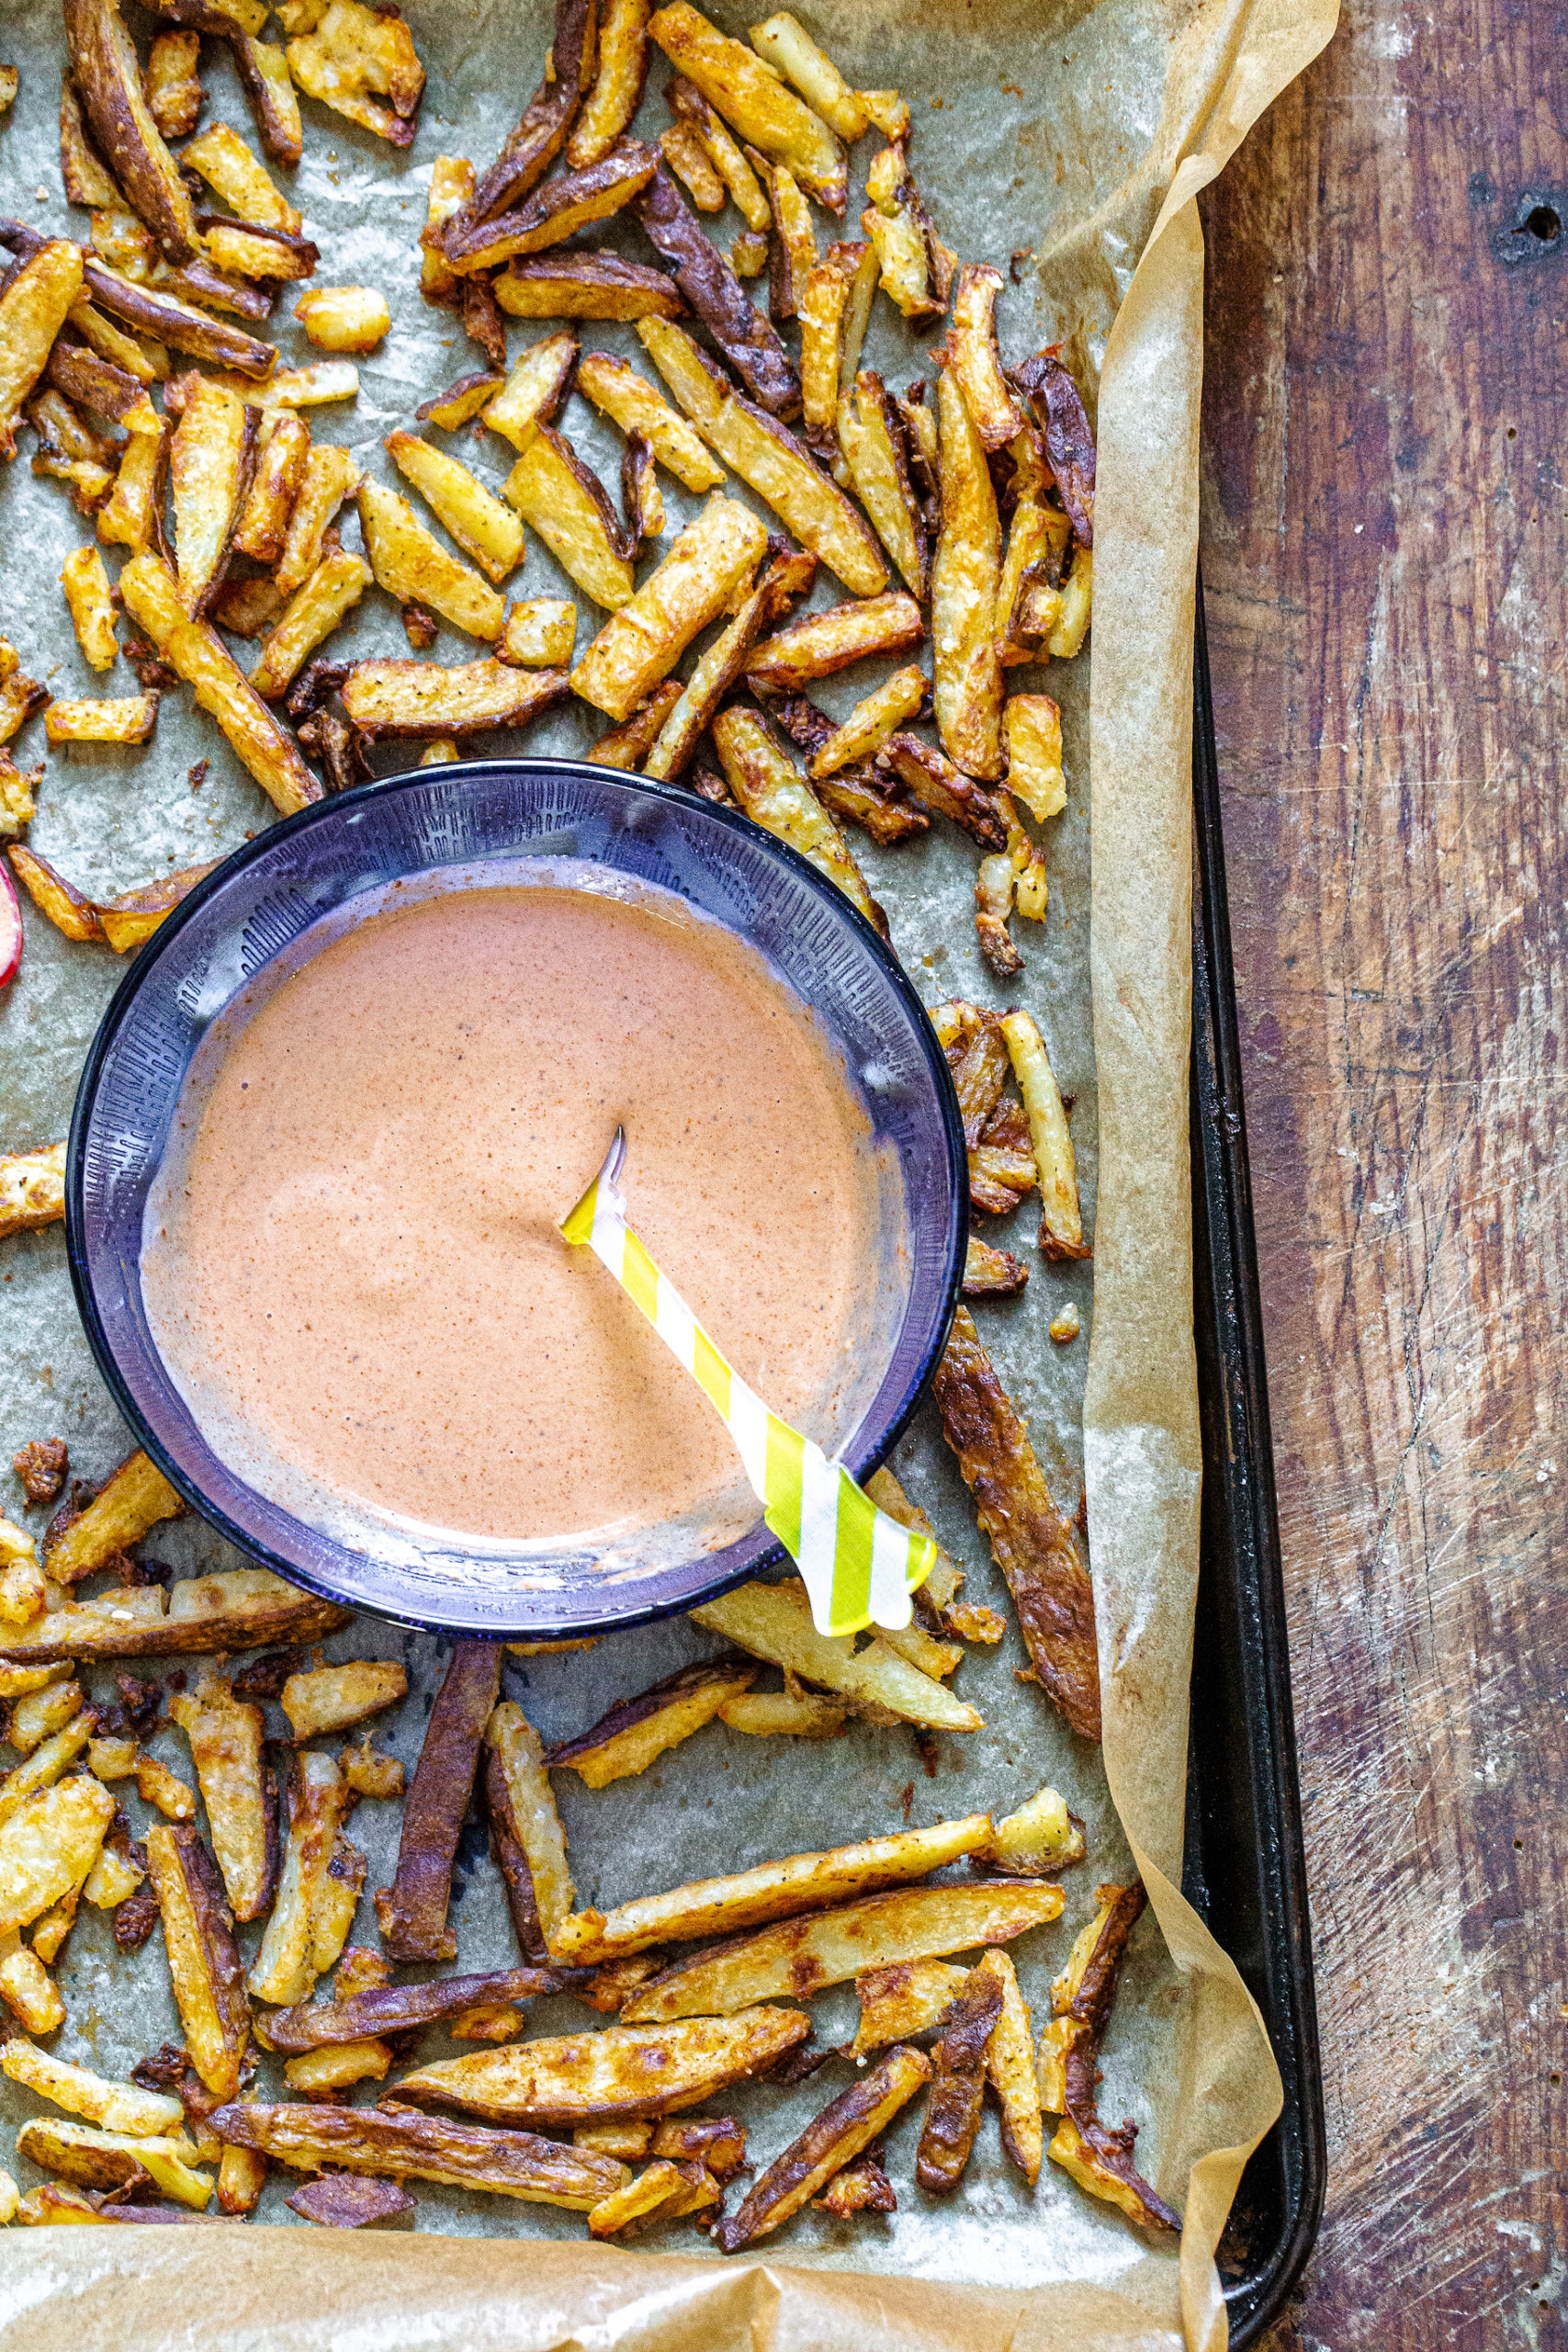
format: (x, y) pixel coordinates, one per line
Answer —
(1385, 551)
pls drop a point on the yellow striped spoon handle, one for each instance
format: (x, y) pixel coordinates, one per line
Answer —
(858, 1566)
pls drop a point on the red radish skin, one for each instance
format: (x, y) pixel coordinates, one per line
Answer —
(11, 929)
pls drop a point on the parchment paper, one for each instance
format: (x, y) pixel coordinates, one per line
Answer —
(1080, 134)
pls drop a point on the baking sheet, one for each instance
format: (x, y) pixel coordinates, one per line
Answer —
(1073, 133)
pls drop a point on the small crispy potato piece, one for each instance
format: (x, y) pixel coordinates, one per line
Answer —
(586, 285)
(41, 1714)
(356, 57)
(788, 576)
(204, 1964)
(392, 2141)
(872, 439)
(160, 312)
(862, 2188)
(554, 211)
(22, 1595)
(748, 254)
(1069, 442)
(631, 402)
(793, 242)
(312, 613)
(828, 2143)
(641, 2199)
(909, 1997)
(147, 362)
(366, 2007)
(413, 1911)
(917, 267)
(932, 780)
(489, 2021)
(334, 2069)
(526, 1833)
(538, 633)
(478, 521)
(992, 1274)
(119, 239)
(112, 1759)
(367, 1772)
(174, 95)
(535, 389)
(339, 2201)
(638, 1731)
(570, 508)
(1061, 1217)
(687, 103)
(226, 1737)
(642, 501)
(1077, 600)
(768, 458)
(241, 2177)
(262, 530)
(1040, 1838)
(617, 84)
(970, 353)
(108, 80)
(618, 2071)
(775, 1622)
(628, 2139)
(229, 167)
(964, 576)
(344, 318)
(152, 598)
(994, 881)
(629, 745)
(285, 1967)
(18, 802)
(770, 787)
(870, 722)
(693, 583)
(45, 1765)
(113, 1879)
(32, 1189)
(269, 254)
(27, 1987)
(754, 101)
(20, 1681)
(1031, 732)
(410, 562)
(331, 1698)
(63, 904)
(451, 189)
(818, 644)
(20, 695)
(132, 917)
(329, 477)
(125, 517)
(49, 1842)
(461, 402)
(313, 386)
(134, 1497)
(771, 1891)
(120, 2108)
(156, 1785)
(34, 305)
(423, 699)
(688, 159)
(783, 43)
(69, 451)
(716, 2141)
(958, 2086)
(87, 586)
(797, 1714)
(97, 384)
(130, 720)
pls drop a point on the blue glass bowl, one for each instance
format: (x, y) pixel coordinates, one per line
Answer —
(257, 904)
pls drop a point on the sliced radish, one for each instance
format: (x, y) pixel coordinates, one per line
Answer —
(10, 928)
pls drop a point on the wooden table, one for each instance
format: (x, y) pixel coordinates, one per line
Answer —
(1385, 551)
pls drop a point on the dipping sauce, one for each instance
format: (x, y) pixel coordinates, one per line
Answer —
(351, 1263)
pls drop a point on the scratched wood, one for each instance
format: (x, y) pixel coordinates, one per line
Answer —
(1385, 552)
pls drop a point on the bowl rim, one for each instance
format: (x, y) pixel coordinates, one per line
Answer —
(265, 844)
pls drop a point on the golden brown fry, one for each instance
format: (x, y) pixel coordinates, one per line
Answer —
(1041, 1837)
(1077, 598)
(88, 181)
(687, 103)
(970, 352)
(263, 68)
(862, 2188)
(423, 699)
(628, 2139)
(152, 598)
(688, 159)
(489, 2021)
(793, 242)
(226, 1745)
(27, 1987)
(367, 1772)
(788, 576)
(526, 1837)
(312, 613)
(641, 2199)
(755, 102)
(451, 187)
(1116, 1908)
(174, 95)
(907, 1997)
(87, 586)
(356, 57)
(236, 1610)
(570, 508)
(423, 2147)
(34, 305)
(365, 2005)
(135, 1497)
(212, 459)
(783, 43)
(618, 2071)
(1010, 2064)
(632, 402)
(964, 574)
(538, 633)
(63, 904)
(548, 116)
(461, 402)
(930, 778)
(97, 2159)
(638, 1731)
(698, 577)
(204, 1963)
(126, 519)
(19, 803)
(799, 1713)
(1099, 2157)
(262, 530)
(107, 74)
(132, 917)
(770, 787)
(617, 86)
(773, 1620)
(958, 2084)
(156, 1785)
(130, 720)
(768, 458)
(994, 883)
(113, 1760)
(22, 1594)
(770, 1890)
(586, 285)
(32, 1189)
(286, 1965)
(1061, 1217)
(269, 254)
(331, 1698)
(147, 362)
(535, 389)
(344, 318)
(917, 267)
(71, 451)
(992, 1274)
(828, 2143)
(834, 304)
(820, 643)
(627, 746)
(45, 1765)
(36, 1716)
(20, 695)
(160, 312)
(478, 521)
(48, 1838)
(410, 562)
(1031, 731)
(330, 476)
(554, 211)
(117, 2106)
(874, 443)
(870, 722)
(120, 240)
(748, 254)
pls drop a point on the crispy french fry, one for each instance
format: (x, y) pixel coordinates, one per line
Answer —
(18, 806)
(638, 1731)
(132, 917)
(917, 267)
(421, 699)
(1069, 443)
(617, 83)
(163, 313)
(262, 530)
(32, 1189)
(108, 79)
(134, 1497)
(1098, 2156)
(775, 1622)
(156, 1785)
(91, 2158)
(862, 2188)
(20, 695)
(45, 1765)
(768, 458)
(870, 722)
(568, 506)
(263, 68)
(125, 517)
(822, 643)
(69, 450)
(380, 2008)
(798, 1956)
(33, 303)
(369, 1773)
(690, 108)
(619, 2071)
(53, 895)
(828, 2143)
(835, 304)
(1066, 637)
(964, 576)
(748, 252)
(330, 476)
(754, 101)
(970, 352)
(747, 342)
(317, 2070)
(873, 440)
(229, 167)
(130, 720)
(1041, 1837)
(770, 787)
(22, 1594)
(204, 1964)
(643, 641)
(628, 2139)
(147, 362)
(356, 57)
(643, 2198)
(479, 522)
(489, 2021)
(631, 402)
(87, 182)
(461, 402)
(94, 383)
(535, 389)
(688, 159)
(994, 883)
(291, 1955)
(49, 1841)
(586, 285)
(331, 1698)
(1009, 2066)
(958, 2084)
(930, 777)
(907, 1997)
(629, 745)
(992, 1274)
(226, 1746)
(41, 1714)
(768, 1714)
(1031, 732)
(408, 561)
(538, 633)
(426, 2147)
(549, 116)
(312, 613)
(236, 1610)
(117, 2106)
(269, 254)
(787, 576)
(1116, 1909)
(113, 1760)
(451, 189)
(344, 318)
(554, 211)
(527, 1837)
(413, 1911)
(783, 43)
(27, 1987)
(86, 587)
(1061, 1217)
(771, 1891)
(152, 598)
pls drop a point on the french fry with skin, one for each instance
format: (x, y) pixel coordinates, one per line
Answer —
(630, 400)
(535, 389)
(311, 614)
(799, 1715)
(932, 779)
(915, 266)
(237, 1610)
(871, 723)
(758, 106)
(779, 1890)
(773, 1622)
(629, 745)
(413, 1911)
(125, 517)
(958, 2084)
(641, 643)
(408, 562)
(830, 2141)
(27, 1987)
(526, 1837)
(970, 354)
(1040, 1838)
(132, 917)
(330, 476)
(226, 1737)
(688, 159)
(541, 133)
(688, 105)
(862, 2188)
(390, 2140)
(286, 1967)
(268, 253)
(262, 530)
(994, 883)
(263, 69)
(34, 305)
(586, 285)
(900, 2001)
(129, 720)
(554, 212)
(134, 1498)
(570, 508)
(107, 75)
(87, 586)
(1032, 734)
(334, 1698)
(1061, 1217)
(422, 700)
(147, 362)
(748, 342)
(43, 1767)
(20, 695)
(964, 576)
(621, 71)
(97, 384)
(873, 442)
(50, 1838)
(71, 451)
(792, 245)
(618, 2071)
(1009, 2068)
(229, 167)
(161, 312)
(462, 400)
(116, 2107)
(372, 2010)
(1097, 2156)
(67, 910)
(769, 459)
(451, 189)
(770, 787)
(643, 2198)
(539, 634)
(86, 181)
(819, 644)
(787, 576)
(91, 2158)
(636, 1731)
(992, 1274)
(353, 60)
(152, 598)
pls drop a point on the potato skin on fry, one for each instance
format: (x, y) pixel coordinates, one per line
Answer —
(754, 101)
(637, 1731)
(33, 306)
(424, 700)
(397, 2008)
(424, 2147)
(828, 2143)
(617, 86)
(108, 77)
(715, 296)
(586, 286)
(618, 2071)
(818, 644)
(637, 646)
(413, 1911)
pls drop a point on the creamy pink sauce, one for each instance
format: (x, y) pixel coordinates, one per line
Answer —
(359, 1271)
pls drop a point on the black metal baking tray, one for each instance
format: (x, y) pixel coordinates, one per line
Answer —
(1244, 1870)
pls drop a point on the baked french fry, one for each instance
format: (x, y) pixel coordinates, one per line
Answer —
(344, 318)
(413, 1911)
(311, 614)
(538, 633)
(27, 1987)
(238, 1608)
(915, 266)
(554, 212)
(451, 189)
(787, 576)
(1041, 1837)
(818, 644)
(268, 253)
(797, 1714)
(770, 787)
(1061, 1217)
(226, 1746)
(286, 1965)
(86, 587)
(50, 1838)
(36, 1716)
(156, 1785)
(424, 2147)
(629, 745)
(91, 2158)
(129, 720)
(229, 167)
(262, 530)
(162, 312)
(773, 1622)
(331, 1698)
(535, 389)
(147, 362)
(830, 2141)
(570, 508)
(958, 2084)
(330, 475)
(736, 175)
(33, 303)
(204, 1963)
(132, 917)
(117, 2106)
(354, 59)
(53, 895)
(380, 2009)
(688, 159)
(639, 645)
(1099, 2156)
(783, 42)
(424, 700)
(107, 75)
(970, 353)
(22, 1592)
(367, 1772)
(870, 722)
(964, 576)
(617, 83)
(461, 402)
(992, 1274)
(82, 169)
(619, 2071)
(755, 102)
(873, 442)
(930, 778)
(69, 450)
(647, 2197)
(125, 520)
(134, 1497)
(525, 1834)
(409, 561)
(631, 402)
(1031, 733)
(318, 2072)
(905, 1998)
(263, 69)
(549, 116)
(771, 1891)
(43, 1767)
(835, 306)
(1069, 443)
(1077, 598)
(586, 285)
(747, 342)
(1010, 2068)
